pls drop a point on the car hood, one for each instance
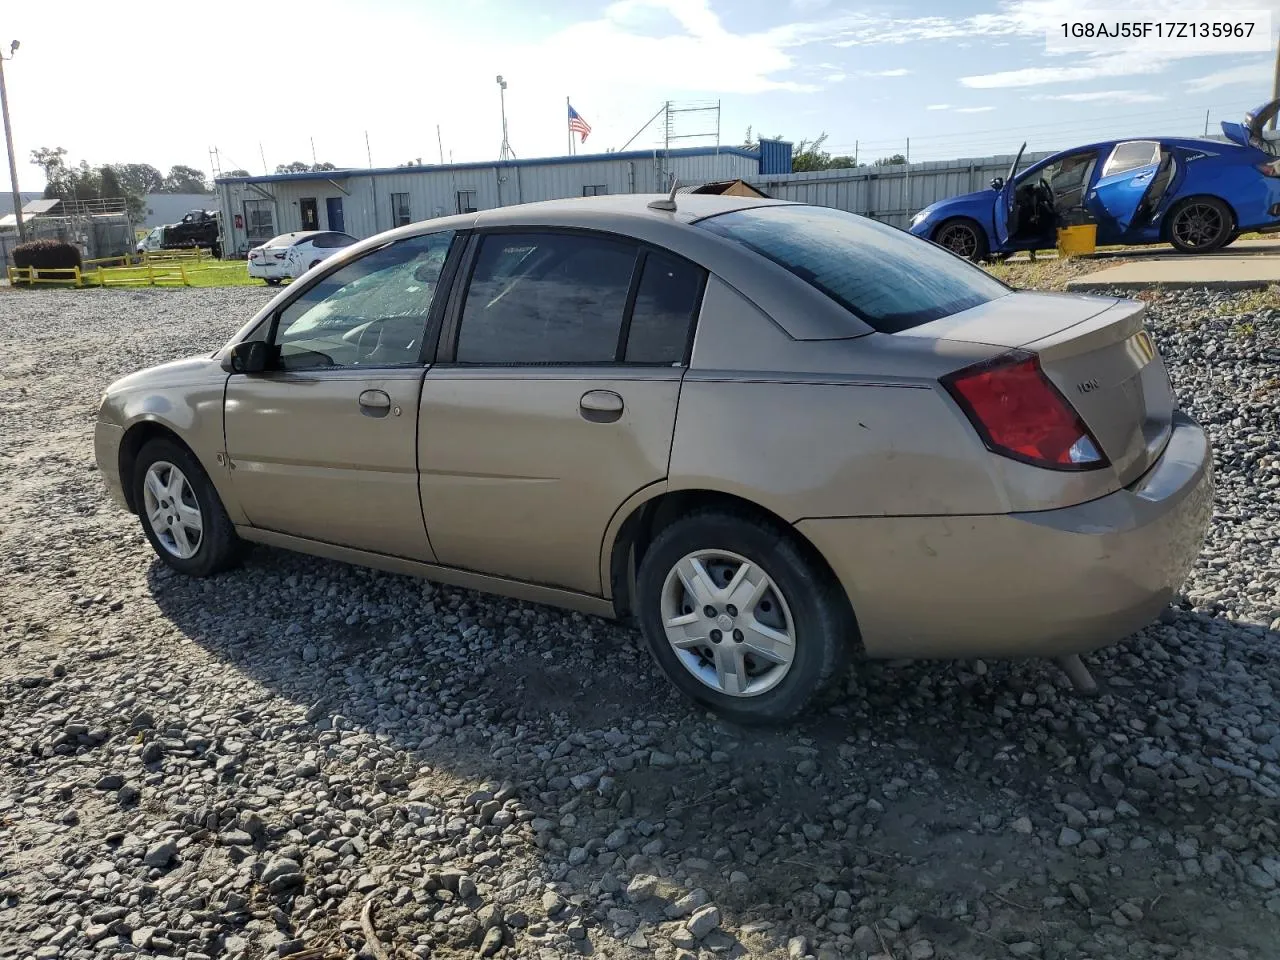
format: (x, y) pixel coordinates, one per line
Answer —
(172, 374)
(964, 199)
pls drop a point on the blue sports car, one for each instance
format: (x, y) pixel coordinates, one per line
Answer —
(1196, 194)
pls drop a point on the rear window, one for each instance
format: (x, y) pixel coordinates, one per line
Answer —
(887, 278)
(284, 240)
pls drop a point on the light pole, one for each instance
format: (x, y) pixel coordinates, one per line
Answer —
(8, 141)
(506, 153)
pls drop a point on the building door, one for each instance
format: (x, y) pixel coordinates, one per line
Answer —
(334, 208)
(310, 217)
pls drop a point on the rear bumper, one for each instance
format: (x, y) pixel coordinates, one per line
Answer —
(276, 269)
(1026, 584)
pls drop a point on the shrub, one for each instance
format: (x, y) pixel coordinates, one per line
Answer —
(46, 255)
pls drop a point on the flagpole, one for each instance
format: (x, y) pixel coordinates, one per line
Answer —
(568, 129)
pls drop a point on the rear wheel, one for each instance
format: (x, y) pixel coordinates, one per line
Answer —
(1200, 225)
(271, 281)
(740, 619)
(180, 511)
(963, 237)
(314, 264)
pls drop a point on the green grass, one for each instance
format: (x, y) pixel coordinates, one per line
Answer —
(223, 273)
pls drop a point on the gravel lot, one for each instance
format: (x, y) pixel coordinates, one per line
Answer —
(233, 768)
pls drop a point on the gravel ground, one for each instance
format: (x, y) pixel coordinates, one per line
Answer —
(235, 767)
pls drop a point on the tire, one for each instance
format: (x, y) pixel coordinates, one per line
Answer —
(795, 598)
(963, 237)
(271, 281)
(314, 264)
(1200, 225)
(216, 548)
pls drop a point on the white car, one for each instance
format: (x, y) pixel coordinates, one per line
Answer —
(290, 255)
(151, 242)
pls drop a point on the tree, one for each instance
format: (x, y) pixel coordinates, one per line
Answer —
(237, 173)
(183, 179)
(806, 155)
(139, 178)
(891, 161)
(322, 166)
(296, 167)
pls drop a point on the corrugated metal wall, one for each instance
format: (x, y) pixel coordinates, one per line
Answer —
(891, 194)
(366, 199)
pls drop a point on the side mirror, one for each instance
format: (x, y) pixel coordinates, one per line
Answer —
(249, 356)
(997, 183)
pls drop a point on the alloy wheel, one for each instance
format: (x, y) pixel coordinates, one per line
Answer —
(172, 510)
(1199, 225)
(960, 239)
(728, 623)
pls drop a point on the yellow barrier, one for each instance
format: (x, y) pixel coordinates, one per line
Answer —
(45, 275)
(1077, 241)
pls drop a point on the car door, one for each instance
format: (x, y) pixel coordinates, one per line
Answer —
(322, 444)
(1003, 213)
(1126, 177)
(553, 401)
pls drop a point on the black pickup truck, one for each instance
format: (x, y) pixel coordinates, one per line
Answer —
(199, 228)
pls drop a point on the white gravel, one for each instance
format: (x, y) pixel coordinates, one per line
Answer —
(232, 768)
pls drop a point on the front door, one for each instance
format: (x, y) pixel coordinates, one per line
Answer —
(333, 205)
(323, 445)
(557, 403)
(310, 218)
(1126, 179)
(1003, 213)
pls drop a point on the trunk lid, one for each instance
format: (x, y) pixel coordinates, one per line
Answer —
(1096, 352)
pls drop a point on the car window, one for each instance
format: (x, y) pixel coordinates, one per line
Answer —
(372, 312)
(323, 241)
(1130, 156)
(887, 278)
(546, 298)
(666, 301)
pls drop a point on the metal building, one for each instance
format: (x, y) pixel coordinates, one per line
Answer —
(365, 202)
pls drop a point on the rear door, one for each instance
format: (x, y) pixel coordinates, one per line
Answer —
(552, 401)
(1127, 176)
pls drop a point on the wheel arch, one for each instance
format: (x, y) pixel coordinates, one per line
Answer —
(1166, 221)
(655, 507)
(135, 438)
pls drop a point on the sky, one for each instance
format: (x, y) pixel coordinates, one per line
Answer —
(958, 78)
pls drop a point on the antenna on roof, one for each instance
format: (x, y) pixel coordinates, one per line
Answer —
(670, 202)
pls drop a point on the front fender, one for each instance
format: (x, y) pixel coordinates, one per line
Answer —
(192, 412)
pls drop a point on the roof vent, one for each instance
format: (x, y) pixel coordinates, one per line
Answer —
(668, 204)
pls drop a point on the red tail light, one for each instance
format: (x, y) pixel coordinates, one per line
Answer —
(1020, 414)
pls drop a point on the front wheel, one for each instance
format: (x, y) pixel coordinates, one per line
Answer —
(1200, 225)
(181, 512)
(964, 238)
(740, 618)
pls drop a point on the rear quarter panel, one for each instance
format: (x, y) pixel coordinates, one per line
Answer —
(1231, 176)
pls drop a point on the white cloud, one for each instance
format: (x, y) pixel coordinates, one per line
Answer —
(1109, 96)
(836, 77)
(974, 109)
(1256, 74)
(896, 72)
(938, 106)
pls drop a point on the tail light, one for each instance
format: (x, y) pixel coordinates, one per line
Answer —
(1269, 169)
(1020, 414)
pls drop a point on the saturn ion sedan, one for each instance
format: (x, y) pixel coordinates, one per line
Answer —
(770, 433)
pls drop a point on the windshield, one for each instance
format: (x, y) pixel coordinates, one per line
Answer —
(887, 278)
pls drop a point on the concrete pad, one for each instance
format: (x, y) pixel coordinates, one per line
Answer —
(1216, 273)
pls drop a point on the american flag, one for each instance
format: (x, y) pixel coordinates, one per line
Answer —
(578, 125)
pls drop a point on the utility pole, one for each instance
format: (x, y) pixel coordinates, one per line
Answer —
(506, 152)
(8, 141)
(440, 144)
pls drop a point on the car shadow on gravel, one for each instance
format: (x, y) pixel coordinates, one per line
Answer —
(989, 802)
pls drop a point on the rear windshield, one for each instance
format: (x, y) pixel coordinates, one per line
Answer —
(285, 240)
(886, 277)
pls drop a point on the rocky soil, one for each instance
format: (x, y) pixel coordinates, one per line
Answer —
(303, 758)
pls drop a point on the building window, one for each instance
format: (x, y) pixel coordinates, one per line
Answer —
(595, 190)
(259, 220)
(400, 210)
(466, 201)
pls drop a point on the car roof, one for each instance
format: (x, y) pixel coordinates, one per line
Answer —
(297, 236)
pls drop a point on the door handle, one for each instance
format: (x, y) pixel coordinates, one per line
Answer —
(600, 406)
(375, 403)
